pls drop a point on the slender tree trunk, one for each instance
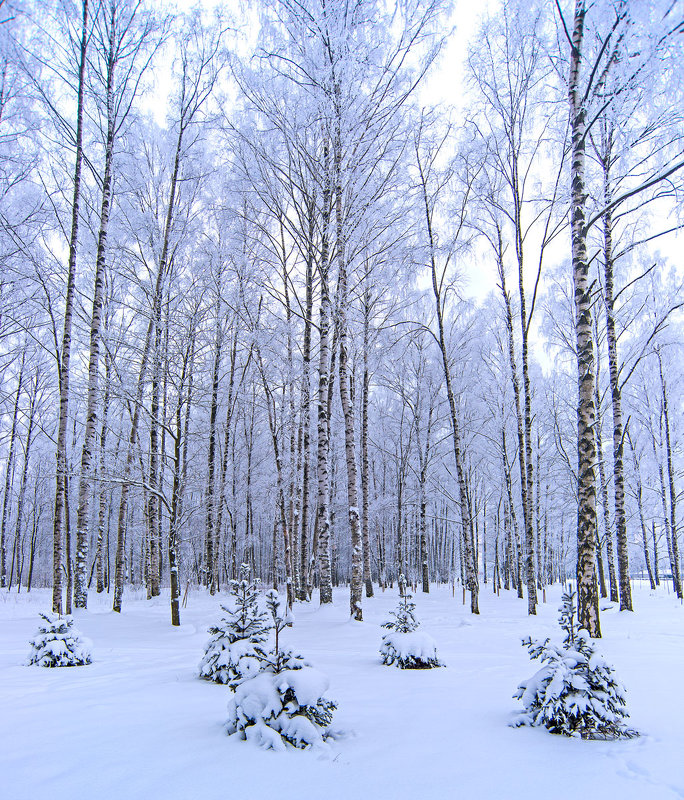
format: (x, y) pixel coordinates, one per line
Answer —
(9, 469)
(86, 477)
(676, 576)
(424, 457)
(356, 586)
(618, 438)
(102, 489)
(323, 510)
(603, 485)
(210, 551)
(470, 566)
(18, 537)
(305, 576)
(365, 397)
(528, 477)
(521, 420)
(642, 522)
(58, 519)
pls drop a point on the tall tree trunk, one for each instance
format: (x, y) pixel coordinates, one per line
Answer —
(63, 371)
(642, 522)
(9, 469)
(470, 566)
(24, 472)
(520, 419)
(618, 438)
(676, 576)
(305, 576)
(603, 486)
(424, 458)
(120, 560)
(102, 489)
(365, 396)
(587, 589)
(86, 476)
(210, 550)
(323, 510)
(528, 477)
(356, 585)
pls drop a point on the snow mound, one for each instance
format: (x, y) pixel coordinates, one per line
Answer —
(277, 710)
(412, 650)
(58, 644)
(575, 693)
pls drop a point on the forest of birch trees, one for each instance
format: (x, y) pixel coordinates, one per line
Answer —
(264, 300)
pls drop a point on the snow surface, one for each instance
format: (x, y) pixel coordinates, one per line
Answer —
(138, 723)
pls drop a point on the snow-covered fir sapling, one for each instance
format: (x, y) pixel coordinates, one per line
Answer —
(575, 693)
(235, 650)
(405, 646)
(58, 644)
(284, 705)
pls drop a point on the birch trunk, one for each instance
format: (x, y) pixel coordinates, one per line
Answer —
(102, 496)
(210, 550)
(24, 475)
(323, 510)
(521, 421)
(470, 565)
(120, 559)
(676, 576)
(603, 486)
(618, 438)
(63, 371)
(9, 469)
(365, 489)
(587, 590)
(640, 506)
(356, 586)
(305, 576)
(86, 476)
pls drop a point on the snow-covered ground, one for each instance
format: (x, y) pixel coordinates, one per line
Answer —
(137, 723)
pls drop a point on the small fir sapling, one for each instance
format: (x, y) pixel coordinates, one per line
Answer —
(235, 650)
(405, 646)
(575, 693)
(284, 705)
(58, 644)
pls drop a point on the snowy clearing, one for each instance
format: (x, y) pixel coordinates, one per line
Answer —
(138, 722)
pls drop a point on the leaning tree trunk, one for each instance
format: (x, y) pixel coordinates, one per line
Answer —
(63, 370)
(470, 566)
(587, 589)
